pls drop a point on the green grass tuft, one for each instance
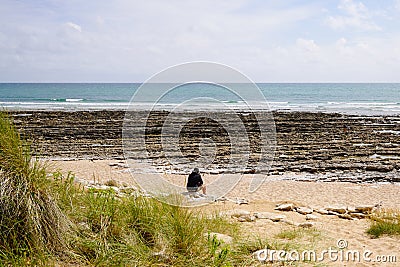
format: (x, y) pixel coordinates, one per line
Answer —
(385, 222)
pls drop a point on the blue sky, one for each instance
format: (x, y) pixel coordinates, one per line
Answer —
(129, 40)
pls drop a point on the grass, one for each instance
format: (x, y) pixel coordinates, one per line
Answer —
(30, 219)
(311, 234)
(138, 231)
(385, 222)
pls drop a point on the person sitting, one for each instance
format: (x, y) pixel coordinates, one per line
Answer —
(195, 183)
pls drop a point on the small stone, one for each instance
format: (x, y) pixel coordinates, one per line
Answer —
(338, 209)
(311, 217)
(285, 207)
(270, 216)
(306, 224)
(221, 237)
(304, 210)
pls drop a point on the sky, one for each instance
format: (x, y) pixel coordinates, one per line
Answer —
(267, 40)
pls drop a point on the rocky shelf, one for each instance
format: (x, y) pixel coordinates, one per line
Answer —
(305, 142)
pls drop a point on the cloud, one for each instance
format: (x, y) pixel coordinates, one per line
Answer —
(129, 40)
(307, 45)
(74, 26)
(397, 5)
(357, 16)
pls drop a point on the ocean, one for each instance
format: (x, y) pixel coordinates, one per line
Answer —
(346, 98)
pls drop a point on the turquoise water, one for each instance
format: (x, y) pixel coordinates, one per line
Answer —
(357, 98)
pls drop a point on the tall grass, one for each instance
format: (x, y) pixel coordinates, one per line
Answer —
(139, 231)
(30, 219)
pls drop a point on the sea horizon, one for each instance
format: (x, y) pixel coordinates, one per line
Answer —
(346, 98)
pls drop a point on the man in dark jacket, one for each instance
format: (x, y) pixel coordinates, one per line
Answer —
(195, 183)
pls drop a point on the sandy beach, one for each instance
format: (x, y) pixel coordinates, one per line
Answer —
(318, 163)
(273, 191)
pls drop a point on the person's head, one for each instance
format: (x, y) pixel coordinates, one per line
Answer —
(196, 170)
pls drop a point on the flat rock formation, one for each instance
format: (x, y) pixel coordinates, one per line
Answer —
(315, 143)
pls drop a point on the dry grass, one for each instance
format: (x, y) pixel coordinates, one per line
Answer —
(30, 219)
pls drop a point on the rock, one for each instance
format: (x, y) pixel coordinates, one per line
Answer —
(322, 211)
(221, 237)
(270, 216)
(238, 213)
(345, 216)
(246, 218)
(306, 224)
(285, 207)
(351, 209)
(311, 217)
(358, 215)
(304, 210)
(365, 208)
(241, 201)
(338, 209)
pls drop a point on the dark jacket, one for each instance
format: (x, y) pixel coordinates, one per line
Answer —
(194, 180)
